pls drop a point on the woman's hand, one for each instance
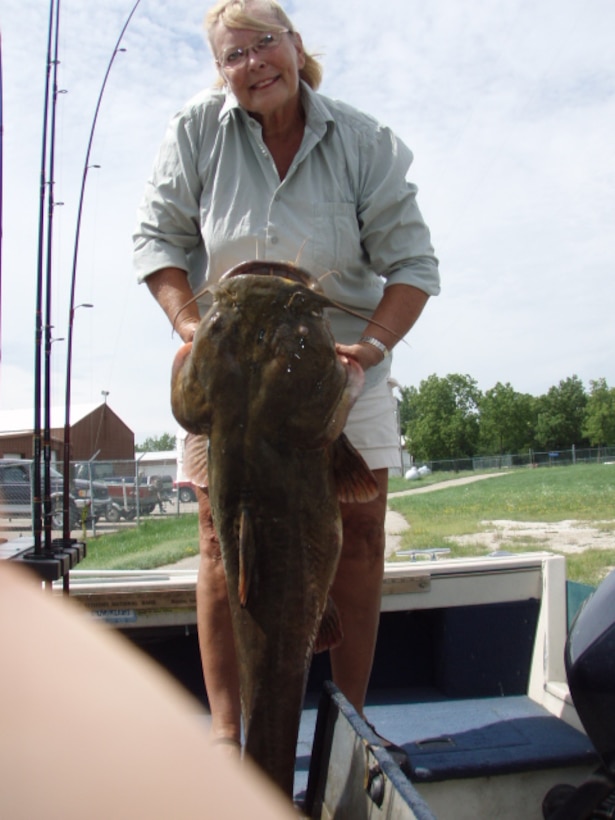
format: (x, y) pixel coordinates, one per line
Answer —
(187, 328)
(365, 354)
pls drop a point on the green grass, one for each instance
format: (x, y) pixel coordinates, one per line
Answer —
(151, 544)
(583, 492)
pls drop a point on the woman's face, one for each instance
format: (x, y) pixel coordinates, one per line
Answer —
(267, 83)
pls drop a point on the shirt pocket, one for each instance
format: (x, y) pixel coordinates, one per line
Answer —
(337, 240)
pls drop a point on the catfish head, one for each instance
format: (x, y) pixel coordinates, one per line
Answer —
(264, 355)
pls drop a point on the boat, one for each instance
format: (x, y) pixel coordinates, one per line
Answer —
(469, 678)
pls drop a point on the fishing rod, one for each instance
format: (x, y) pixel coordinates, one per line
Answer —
(37, 503)
(51, 205)
(66, 539)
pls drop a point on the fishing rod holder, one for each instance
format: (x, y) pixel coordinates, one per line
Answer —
(55, 563)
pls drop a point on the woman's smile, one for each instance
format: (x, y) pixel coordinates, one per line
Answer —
(266, 83)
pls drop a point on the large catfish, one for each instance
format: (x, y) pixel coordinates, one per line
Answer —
(263, 385)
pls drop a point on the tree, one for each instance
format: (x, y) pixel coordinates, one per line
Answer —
(407, 406)
(599, 421)
(442, 418)
(506, 420)
(157, 444)
(561, 413)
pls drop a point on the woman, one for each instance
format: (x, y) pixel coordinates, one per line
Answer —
(264, 167)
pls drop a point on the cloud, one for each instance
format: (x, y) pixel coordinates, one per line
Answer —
(509, 109)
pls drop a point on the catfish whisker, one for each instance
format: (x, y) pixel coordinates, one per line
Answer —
(300, 252)
(324, 275)
(357, 313)
(206, 289)
(369, 319)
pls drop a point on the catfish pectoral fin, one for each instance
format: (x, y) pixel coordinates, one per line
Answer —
(189, 395)
(180, 367)
(195, 459)
(330, 633)
(247, 551)
(180, 358)
(354, 480)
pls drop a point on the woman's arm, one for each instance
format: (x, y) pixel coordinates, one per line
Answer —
(170, 288)
(397, 311)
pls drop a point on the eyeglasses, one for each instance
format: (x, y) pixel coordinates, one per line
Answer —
(237, 56)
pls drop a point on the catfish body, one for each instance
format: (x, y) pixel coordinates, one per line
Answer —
(262, 384)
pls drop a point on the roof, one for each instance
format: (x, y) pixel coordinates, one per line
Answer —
(157, 455)
(22, 421)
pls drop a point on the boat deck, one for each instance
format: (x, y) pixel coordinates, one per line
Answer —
(469, 759)
(468, 678)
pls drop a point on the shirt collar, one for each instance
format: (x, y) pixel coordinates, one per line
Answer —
(316, 113)
(230, 103)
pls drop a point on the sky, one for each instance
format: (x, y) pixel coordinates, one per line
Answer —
(508, 107)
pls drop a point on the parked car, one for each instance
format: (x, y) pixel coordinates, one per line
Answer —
(186, 491)
(16, 495)
(122, 490)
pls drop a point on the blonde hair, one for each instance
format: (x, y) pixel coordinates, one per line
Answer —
(235, 14)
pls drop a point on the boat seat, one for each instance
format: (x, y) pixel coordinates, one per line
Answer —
(488, 736)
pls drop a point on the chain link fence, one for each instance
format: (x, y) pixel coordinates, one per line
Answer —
(107, 496)
(533, 458)
(126, 492)
(104, 496)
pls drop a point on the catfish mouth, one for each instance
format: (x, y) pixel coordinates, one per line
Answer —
(353, 368)
(280, 269)
(289, 272)
(349, 392)
(355, 376)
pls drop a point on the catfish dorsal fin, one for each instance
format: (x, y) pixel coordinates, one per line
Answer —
(354, 480)
(246, 556)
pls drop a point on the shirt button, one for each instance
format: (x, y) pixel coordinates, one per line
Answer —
(274, 240)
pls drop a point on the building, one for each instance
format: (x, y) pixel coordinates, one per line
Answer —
(158, 463)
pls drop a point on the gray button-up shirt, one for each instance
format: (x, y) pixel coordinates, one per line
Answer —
(344, 211)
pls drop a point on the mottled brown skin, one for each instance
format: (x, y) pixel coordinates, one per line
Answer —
(263, 382)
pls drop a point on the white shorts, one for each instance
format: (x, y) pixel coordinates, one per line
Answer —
(372, 427)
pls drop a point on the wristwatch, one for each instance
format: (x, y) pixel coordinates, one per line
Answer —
(370, 340)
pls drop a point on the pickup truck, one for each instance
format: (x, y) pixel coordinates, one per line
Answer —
(123, 490)
(185, 489)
